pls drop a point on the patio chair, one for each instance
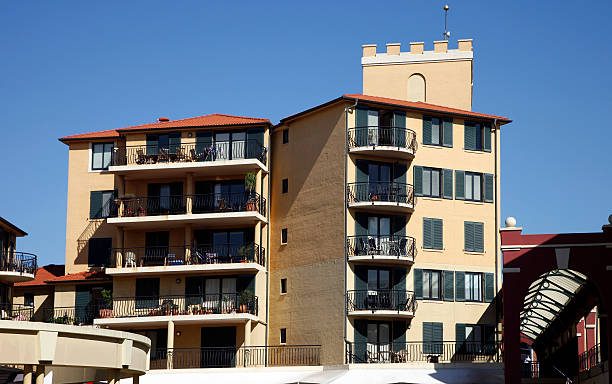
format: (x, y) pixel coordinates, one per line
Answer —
(141, 158)
(363, 247)
(372, 246)
(401, 249)
(130, 259)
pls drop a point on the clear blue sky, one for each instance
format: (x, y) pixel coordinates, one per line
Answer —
(73, 67)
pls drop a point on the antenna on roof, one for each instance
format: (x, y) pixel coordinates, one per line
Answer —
(446, 33)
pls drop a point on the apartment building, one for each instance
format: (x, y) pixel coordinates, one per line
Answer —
(384, 216)
(168, 224)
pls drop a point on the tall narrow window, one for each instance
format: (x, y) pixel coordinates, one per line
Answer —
(283, 286)
(473, 286)
(473, 186)
(101, 155)
(431, 285)
(285, 186)
(286, 136)
(28, 299)
(283, 335)
(284, 236)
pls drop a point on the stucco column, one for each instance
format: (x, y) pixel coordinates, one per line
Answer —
(170, 344)
(188, 243)
(113, 376)
(189, 192)
(247, 333)
(135, 379)
(27, 374)
(40, 374)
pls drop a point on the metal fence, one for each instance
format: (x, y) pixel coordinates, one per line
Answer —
(21, 262)
(389, 136)
(369, 245)
(17, 312)
(382, 299)
(72, 315)
(372, 192)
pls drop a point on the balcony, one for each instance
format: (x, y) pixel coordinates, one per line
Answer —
(382, 303)
(17, 267)
(229, 308)
(424, 352)
(241, 208)
(213, 258)
(381, 249)
(393, 142)
(229, 357)
(16, 312)
(222, 158)
(384, 197)
(70, 315)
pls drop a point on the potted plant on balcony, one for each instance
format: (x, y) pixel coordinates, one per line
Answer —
(250, 182)
(246, 253)
(107, 304)
(245, 298)
(175, 309)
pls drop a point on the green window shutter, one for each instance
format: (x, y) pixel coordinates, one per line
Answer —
(361, 339)
(399, 225)
(399, 279)
(361, 278)
(447, 183)
(255, 142)
(418, 283)
(449, 286)
(489, 290)
(469, 136)
(447, 132)
(399, 123)
(418, 180)
(399, 335)
(459, 286)
(361, 127)
(468, 230)
(437, 337)
(427, 337)
(478, 237)
(427, 233)
(399, 173)
(95, 204)
(460, 337)
(361, 230)
(362, 171)
(487, 138)
(152, 144)
(437, 234)
(459, 185)
(488, 188)
(426, 129)
(174, 142)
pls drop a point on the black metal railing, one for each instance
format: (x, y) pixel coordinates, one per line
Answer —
(17, 312)
(226, 357)
(153, 206)
(539, 370)
(381, 300)
(71, 315)
(374, 136)
(229, 202)
(423, 351)
(589, 359)
(21, 262)
(174, 153)
(174, 305)
(402, 247)
(187, 255)
(362, 192)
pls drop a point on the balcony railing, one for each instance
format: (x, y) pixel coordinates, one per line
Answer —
(380, 192)
(403, 247)
(201, 203)
(181, 153)
(590, 358)
(21, 262)
(71, 315)
(173, 305)
(423, 351)
(381, 300)
(225, 357)
(187, 255)
(373, 136)
(17, 312)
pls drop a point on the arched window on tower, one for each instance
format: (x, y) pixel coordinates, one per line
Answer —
(416, 87)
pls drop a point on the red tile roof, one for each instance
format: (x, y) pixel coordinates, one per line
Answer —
(80, 276)
(416, 105)
(215, 119)
(43, 274)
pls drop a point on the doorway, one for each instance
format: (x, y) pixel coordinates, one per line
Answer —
(218, 347)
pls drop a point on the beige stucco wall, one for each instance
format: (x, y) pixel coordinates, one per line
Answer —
(43, 298)
(65, 295)
(446, 83)
(313, 259)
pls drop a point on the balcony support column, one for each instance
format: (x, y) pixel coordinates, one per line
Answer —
(170, 344)
(27, 374)
(188, 243)
(135, 379)
(190, 188)
(113, 376)
(40, 374)
(121, 189)
(247, 333)
(119, 254)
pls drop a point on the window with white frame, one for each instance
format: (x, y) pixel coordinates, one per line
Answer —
(473, 286)
(473, 186)
(101, 155)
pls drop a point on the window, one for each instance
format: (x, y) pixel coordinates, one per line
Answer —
(285, 136)
(283, 335)
(431, 284)
(477, 136)
(474, 236)
(473, 286)
(432, 338)
(475, 338)
(285, 185)
(473, 186)
(431, 182)
(28, 299)
(99, 251)
(284, 236)
(101, 204)
(432, 233)
(101, 155)
(283, 286)
(379, 338)
(437, 131)
(147, 293)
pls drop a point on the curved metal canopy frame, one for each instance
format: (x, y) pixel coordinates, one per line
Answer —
(546, 298)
